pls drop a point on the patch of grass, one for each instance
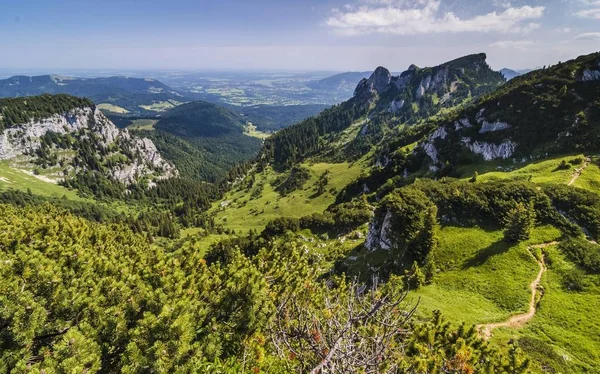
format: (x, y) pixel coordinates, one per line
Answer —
(22, 181)
(142, 124)
(547, 171)
(251, 130)
(564, 335)
(161, 106)
(112, 108)
(477, 266)
(240, 211)
(481, 279)
(590, 177)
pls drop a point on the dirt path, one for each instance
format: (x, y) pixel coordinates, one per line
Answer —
(520, 319)
(579, 171)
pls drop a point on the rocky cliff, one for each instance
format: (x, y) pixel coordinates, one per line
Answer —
(421, 92)
(552, 110)
(63, 145)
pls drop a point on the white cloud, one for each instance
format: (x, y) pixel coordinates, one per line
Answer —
(503, 4)
(593, 13)
(423, 17)
(588, 36)
(565, 30)
(522, 45)
(589, 13)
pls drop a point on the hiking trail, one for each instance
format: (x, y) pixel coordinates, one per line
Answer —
(485, 330)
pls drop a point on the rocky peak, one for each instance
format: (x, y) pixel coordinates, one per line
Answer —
(378, 82)
(380, 79)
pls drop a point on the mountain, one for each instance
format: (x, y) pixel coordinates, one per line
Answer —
(489, 199)
(122, 95)
(215, 139)
(345, 82)
(442, 220)
(205, 140)
(64, 139)
(545, 112)
(381, 104)
(509, 74)
(270, 118)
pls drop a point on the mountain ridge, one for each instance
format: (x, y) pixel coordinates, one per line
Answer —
(124, 94)
(75, 138)
(383, 102)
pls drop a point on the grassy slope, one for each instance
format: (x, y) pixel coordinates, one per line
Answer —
(565, 333)
(142, 124)
(112, 108)
(478, 267)
(590, 178)
(539, 171)
(243, 213)
(19, 180)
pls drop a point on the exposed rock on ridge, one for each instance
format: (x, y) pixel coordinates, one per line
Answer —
(24, 140)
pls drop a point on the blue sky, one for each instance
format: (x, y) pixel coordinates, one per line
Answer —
(297, 35)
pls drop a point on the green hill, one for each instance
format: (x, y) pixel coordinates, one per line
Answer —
(443, 220)
(200, 118)
(456, 242)
(120, 95)
(203, 140)
(382, 104)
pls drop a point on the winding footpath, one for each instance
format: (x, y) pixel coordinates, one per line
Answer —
(579, 171)
(519, 320)
(485, 330)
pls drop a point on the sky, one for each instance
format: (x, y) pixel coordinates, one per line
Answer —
(333, 35)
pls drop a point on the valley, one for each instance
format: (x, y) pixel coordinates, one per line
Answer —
(445, 213)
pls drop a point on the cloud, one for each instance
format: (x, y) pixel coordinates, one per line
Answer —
(588, 36)
(589, 13)
(411, 17)
(593, 13)
(522, 45)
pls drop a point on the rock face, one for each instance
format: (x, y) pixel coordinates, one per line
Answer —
(491, 151)
(495, 126)
(590, 75)
(396, 105)
(422, 92)
(143, 159)
(377, 83)
(378, 236)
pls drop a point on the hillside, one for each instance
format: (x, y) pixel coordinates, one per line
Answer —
(344, 82)
(545, 112)
(514, 238)
(67, 140)
(203, 140)
(121, 95)
(200, 118)
(443, 220)
(382, 104)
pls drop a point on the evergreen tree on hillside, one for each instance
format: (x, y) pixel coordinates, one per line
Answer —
(519, 222)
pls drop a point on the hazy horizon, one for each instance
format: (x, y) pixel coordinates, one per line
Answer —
(287, 36)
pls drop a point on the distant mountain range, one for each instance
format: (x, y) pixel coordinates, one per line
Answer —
(122, 95)
(340, 82)
(510, 74)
